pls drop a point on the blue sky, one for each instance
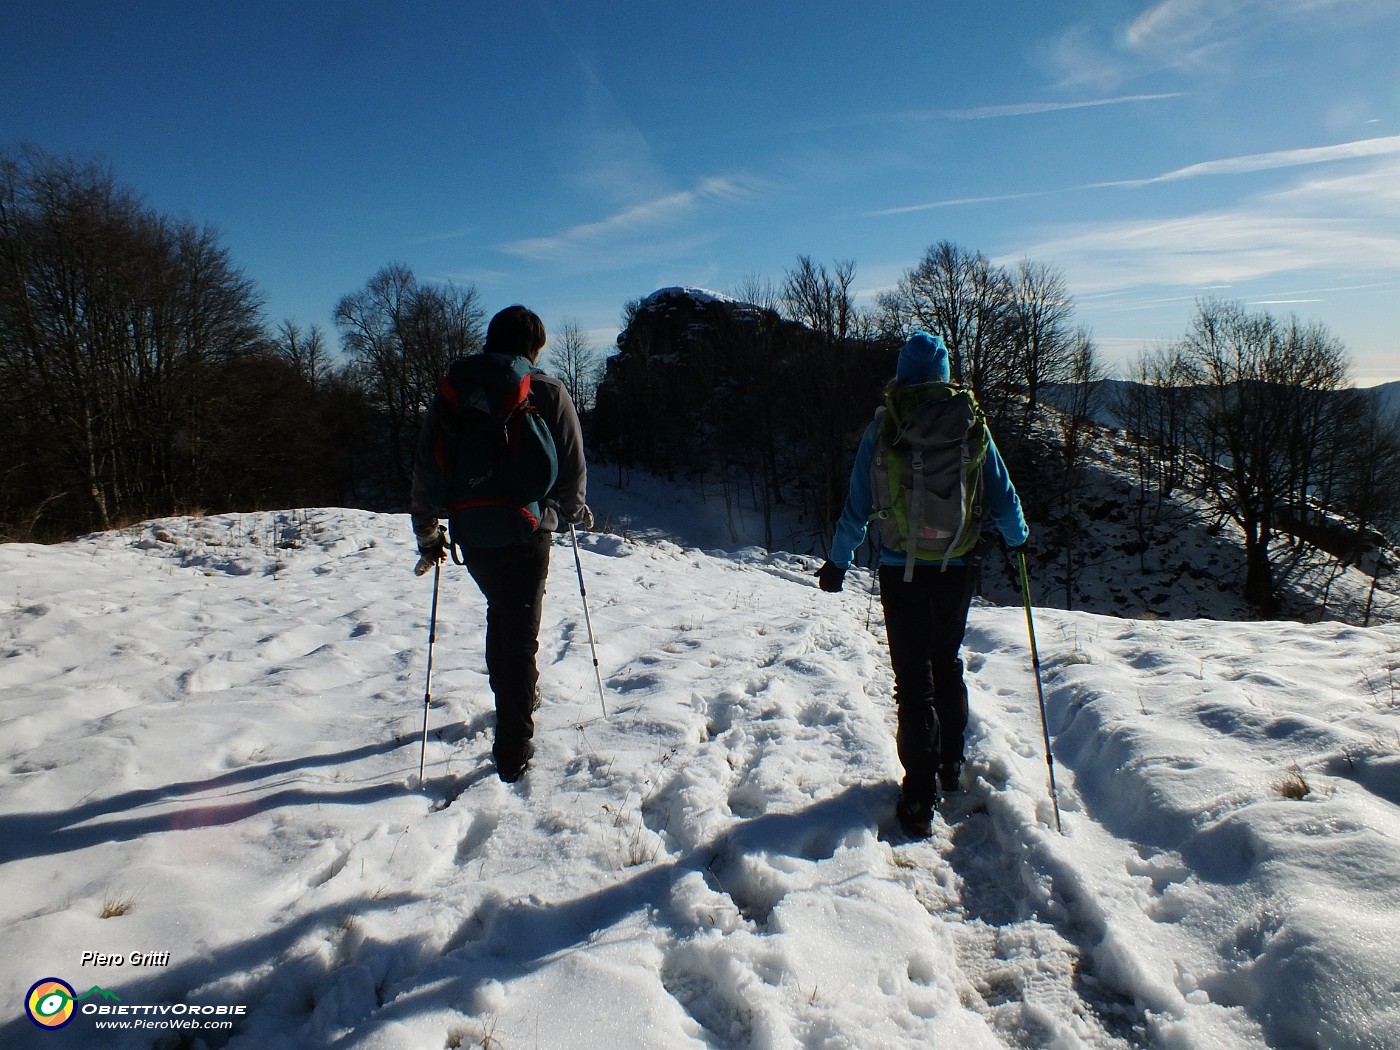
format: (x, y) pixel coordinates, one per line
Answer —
(573, 156)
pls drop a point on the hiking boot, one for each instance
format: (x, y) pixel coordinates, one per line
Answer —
(950, 776)
(511, 766)
(915, 816)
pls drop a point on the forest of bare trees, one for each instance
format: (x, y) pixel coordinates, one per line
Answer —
(1256, 415)
(138, 378)
(125, 342)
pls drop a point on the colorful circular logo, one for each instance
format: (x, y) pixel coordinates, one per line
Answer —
(50, 1003)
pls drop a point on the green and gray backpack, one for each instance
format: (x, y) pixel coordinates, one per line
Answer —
(926, 473)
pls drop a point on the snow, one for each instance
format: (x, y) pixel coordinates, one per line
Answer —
(698, 295)
(212, 726)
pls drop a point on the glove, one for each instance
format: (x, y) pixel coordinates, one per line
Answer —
(584, 518)
(830, 577)
(1018, 548)
(432, 550)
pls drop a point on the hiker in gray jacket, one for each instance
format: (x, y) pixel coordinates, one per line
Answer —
(512, 576)
(925, 597)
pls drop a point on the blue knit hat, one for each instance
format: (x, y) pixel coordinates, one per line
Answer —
(923, 359)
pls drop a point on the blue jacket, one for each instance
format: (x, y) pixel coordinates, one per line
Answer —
(999, 494)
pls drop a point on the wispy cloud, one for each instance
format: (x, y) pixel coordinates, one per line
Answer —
(644, 218)
(1085, 57)
(1262, 238)
(597, 147)
(1212, 253)
(954, 202)
(1188, 31)
(454, 234)
(1199, 37)
(1373, 191)
(1024, 109)
(1183, 29)
(1326, 247)
(1014, 109)
(1289, 158)
(1375, 185)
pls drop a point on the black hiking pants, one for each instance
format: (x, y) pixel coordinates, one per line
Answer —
(925, 620)
(512, 580)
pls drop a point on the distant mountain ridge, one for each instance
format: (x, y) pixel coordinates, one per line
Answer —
(1389, 396)
(1108, 393)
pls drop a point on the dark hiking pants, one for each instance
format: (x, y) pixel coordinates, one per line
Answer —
(925, 620)
(512, 580)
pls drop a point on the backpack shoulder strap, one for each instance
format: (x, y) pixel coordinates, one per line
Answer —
(881, 423)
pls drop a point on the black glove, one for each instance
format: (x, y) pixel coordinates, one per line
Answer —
(830, 577)
(1018, 548)
(432, 550)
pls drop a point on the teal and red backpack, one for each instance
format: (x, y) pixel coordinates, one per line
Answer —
(492, 457)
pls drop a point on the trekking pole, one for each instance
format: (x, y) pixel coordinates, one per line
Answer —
(588, 620)
(1039, 689)
(428, 689)
(874, 560)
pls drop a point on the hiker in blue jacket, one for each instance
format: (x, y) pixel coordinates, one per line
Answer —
(925, 600)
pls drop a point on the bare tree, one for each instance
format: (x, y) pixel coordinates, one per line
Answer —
(1083, 375)
(400, 336)
(820, 298)
(1265, 424)
(1153, 407)
(820, 410)
(963, 297)
(576, 361)
(1370, 494)
(304, 351)
(1048, 349)
(759, 291)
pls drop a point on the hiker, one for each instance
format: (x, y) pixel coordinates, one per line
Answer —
(925, 591)
(508, 566)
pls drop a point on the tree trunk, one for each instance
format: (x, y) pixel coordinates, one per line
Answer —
(1258, 575)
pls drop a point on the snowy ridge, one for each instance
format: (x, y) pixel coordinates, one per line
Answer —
(212, 726)
(697, 295)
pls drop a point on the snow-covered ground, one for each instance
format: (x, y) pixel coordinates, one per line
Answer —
(211, 735)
